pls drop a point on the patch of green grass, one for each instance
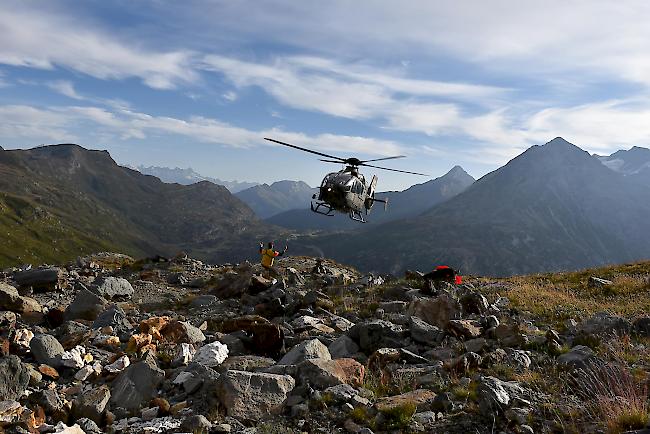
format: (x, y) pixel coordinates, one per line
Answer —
(399, 418)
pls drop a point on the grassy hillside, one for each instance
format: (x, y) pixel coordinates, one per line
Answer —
(31, 233)
(556, 297)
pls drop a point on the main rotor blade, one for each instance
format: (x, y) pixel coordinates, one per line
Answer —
(304, 149)
(385, 158)
(393, 170)
(332, 161)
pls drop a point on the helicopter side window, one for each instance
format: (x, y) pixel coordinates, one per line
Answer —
(358, 188)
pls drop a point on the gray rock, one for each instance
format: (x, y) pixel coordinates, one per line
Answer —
(443, 403)
(604, 323)
(597, 282)
(91, 404)
(475, 345)
(253, 396)
(641, 326)
(519, 358)
(86, 305)
(109, 287)
(39, 278)
(341, 393)
(377, 334)
(246, 363)
(114, 317)
(196, 424)
(343, 346)
(495, 396)
(47, 349)
(14, 378)
(137, 384)
(425, 333)
(313, 349)
(578, 357)
(88, 426)
(203, 300)
(425, 417)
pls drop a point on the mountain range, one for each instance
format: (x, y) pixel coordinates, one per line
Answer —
(634, 163)
(401, 204)
(268, 200)
(60, 201)
(554, 207)
(189, 176)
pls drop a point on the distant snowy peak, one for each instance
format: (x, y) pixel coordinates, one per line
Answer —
(189, 176)
(631, 162)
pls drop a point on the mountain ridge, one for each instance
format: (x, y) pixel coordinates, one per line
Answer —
(553, 207)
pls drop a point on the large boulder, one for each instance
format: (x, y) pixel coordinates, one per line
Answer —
(14, 378)
(137, 384)
(91, 404)
(343, 346)
(578, 357)
(86, 305)
(323, 373)
(313, 349)
(377, 334)
(109, 287)
(12, 301)
(235, 283)
(425, 333)
(437, 311)
(47, 349)
(605, 323)
(40, 278)
(253, 396)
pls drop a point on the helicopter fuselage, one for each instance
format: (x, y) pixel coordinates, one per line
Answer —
(344, 190)
(347, 192)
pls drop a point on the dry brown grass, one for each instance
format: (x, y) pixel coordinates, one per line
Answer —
(559, 296)
(615, 395)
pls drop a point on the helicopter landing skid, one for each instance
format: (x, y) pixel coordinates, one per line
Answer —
(357, 216)
(329, 211)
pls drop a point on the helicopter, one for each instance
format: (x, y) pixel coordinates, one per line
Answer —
(346, 191)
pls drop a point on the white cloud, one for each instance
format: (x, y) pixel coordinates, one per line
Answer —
(58, 123)
(230, 96)
(598, 38)
(46, 40)
(65, 88)
(599, 127)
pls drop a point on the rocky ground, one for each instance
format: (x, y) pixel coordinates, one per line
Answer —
(109, 344)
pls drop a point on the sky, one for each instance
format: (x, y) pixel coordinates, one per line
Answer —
(200, 83)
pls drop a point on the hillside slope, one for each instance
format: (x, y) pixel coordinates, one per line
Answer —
(268, 200)
(83, 201)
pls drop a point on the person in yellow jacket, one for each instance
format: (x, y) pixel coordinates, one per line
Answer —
(268, 257)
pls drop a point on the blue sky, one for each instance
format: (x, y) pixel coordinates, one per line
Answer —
(200, 83)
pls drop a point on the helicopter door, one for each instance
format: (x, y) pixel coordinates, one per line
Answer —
(370, 194)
